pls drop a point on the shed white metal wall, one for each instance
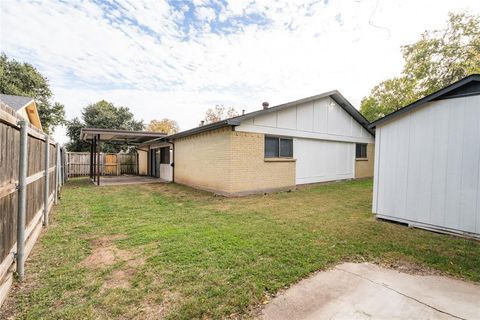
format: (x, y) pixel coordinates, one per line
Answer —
(427, 166)
(324, 138)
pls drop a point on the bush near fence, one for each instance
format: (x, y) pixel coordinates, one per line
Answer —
(42, 186)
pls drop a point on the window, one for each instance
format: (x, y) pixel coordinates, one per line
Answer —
(276, 147)
(286, 147)
(361, 151)
(165, 155)
(271, 147)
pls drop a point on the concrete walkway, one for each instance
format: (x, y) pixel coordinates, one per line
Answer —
(367, 291)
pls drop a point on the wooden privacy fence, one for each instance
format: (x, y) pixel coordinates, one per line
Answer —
(32, 172)
(111, 164)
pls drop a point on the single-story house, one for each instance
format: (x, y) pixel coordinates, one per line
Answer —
(23, 106)
(427, 161)
(316, 139)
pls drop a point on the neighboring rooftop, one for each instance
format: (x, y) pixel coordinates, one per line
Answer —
(15, 102)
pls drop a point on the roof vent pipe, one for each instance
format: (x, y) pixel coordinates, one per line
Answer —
(265, 105)
(243, 112)
(202, 123)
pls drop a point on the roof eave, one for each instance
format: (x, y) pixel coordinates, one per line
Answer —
(236, 121)
(204, 128)
(430, 97)
(334, 94)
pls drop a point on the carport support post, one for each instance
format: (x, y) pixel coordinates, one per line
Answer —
(46, 181)
(22, 199)
(98, 160)
(91, 159)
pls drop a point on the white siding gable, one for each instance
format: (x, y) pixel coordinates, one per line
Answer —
(320, 119)
(305, 121)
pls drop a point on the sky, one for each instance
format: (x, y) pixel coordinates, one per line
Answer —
(175, 59)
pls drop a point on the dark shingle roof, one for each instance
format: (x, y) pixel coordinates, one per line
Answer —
(15, 102)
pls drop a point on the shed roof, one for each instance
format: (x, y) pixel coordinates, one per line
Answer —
(15, 102)
(468, 86)
(235, 121)
(114, 135)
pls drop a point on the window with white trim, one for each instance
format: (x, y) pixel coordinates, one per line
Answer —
(361, 151)
(278, 147)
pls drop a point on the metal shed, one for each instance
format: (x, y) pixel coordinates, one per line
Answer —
(427, 161)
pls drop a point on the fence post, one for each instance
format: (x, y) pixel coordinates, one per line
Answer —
(57, 174)
(60, 169)
(22, 199)
(46, 180)
(66, 163)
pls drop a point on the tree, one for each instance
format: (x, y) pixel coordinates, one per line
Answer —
(73, 132)
(165, 125)
(218, 113)
(22, 79)
(102, 114)
(438, 59)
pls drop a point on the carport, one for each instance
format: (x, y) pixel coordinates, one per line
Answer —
(96, 136)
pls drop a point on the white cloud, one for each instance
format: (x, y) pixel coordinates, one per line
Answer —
(206, 14)
(163, 61)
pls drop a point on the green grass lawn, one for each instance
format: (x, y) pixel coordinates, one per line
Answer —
(166, 250)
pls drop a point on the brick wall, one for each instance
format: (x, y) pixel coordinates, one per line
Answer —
(203, 160)
(364, 168)
(251, 173)
(230, 163)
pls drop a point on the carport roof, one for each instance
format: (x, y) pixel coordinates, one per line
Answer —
(114, 135)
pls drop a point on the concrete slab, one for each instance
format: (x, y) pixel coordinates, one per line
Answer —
(367, 291)
(127, 179)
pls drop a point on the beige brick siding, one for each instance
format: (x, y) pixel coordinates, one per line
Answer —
(364, 168)
(230, 163)
(250, 171)
(203, 160)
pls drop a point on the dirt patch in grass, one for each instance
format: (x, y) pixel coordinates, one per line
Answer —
(105, 253)
(151, 309)
(118, 279)
(411, 267)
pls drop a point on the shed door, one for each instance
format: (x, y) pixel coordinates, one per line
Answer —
(320, 160)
